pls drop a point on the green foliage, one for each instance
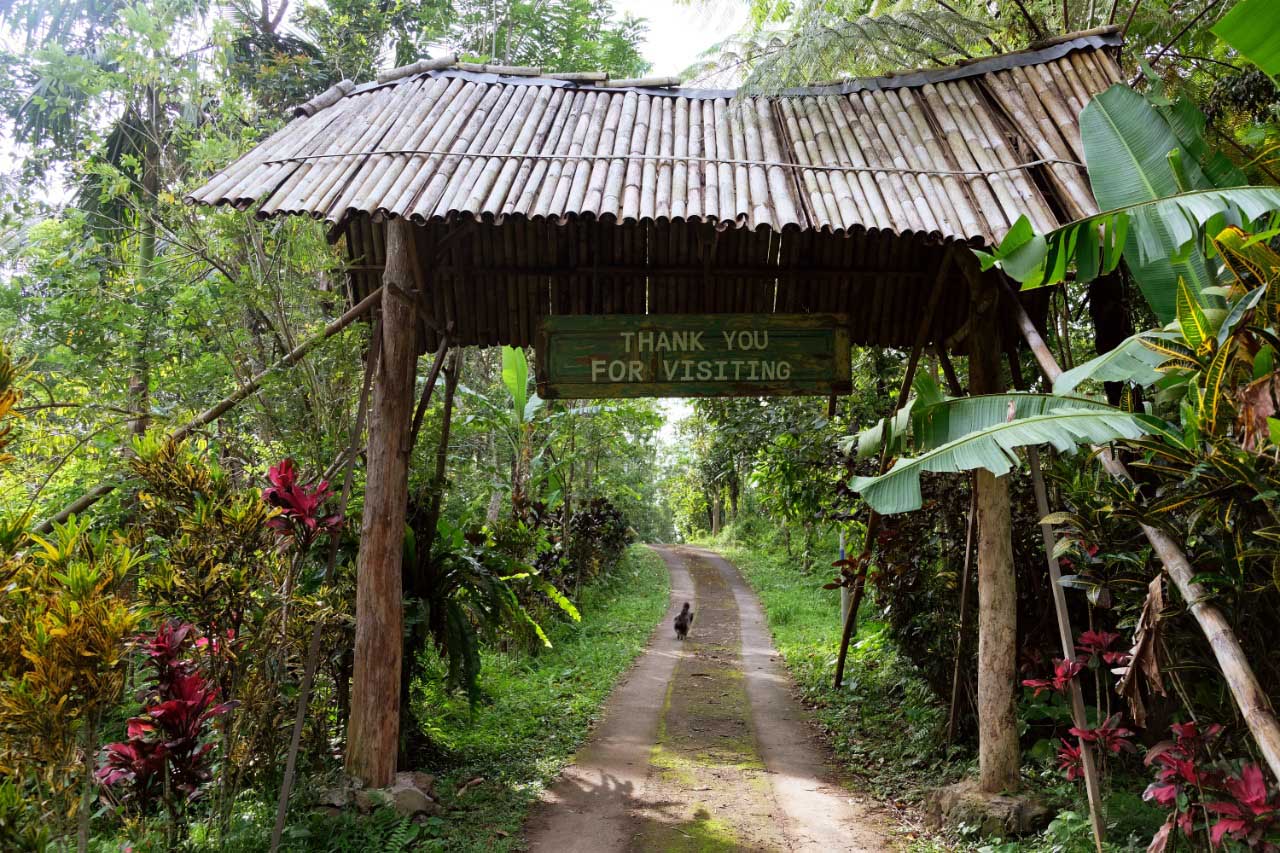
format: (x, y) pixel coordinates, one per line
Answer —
(1160, 186)
(67, 620)
(823, 40)
(21, 829)
(1251, 27)
(983, 432)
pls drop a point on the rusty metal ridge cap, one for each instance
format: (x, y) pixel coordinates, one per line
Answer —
(1106, 37)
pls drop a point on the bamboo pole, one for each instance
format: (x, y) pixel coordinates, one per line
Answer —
(1067, 636)
(953, 710)
(1254, 706)
(421, 411)
(313, 648)
(219, 409)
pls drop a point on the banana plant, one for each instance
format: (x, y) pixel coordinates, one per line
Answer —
(965, 433)
(1161, 189)
(1197, 362)
(517, 418)
(1250, 27)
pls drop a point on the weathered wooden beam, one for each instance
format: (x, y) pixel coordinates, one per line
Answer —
(1250, 698)
(668, 271)
(335, 537)
(1067, 637)
(373, 734)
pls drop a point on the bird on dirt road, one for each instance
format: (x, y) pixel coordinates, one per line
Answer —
(683, 621)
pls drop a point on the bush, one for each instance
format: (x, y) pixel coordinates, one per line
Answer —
(598, 534)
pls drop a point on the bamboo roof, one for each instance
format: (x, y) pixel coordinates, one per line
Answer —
(573, 193)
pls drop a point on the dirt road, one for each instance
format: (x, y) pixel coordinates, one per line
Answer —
(702, 747)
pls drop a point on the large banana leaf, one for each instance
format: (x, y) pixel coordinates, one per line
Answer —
(1252, 27)
(1136, 359)
(1127, 145)
(1095, 244)
(992, 448)
(949, 420)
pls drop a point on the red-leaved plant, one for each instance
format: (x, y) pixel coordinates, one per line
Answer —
(1225, 801)
(1063, 672)
(1099, 644)
(301, 518)
(168, 740)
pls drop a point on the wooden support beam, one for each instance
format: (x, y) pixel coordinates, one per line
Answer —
(373, 735)
(670, 271)
(998, 752)
(1066, 636)
(1250, 698)
(944, 271)
(335, 538)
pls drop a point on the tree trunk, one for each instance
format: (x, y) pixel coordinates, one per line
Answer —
(1111, 323)
(140, 376)
(87, 783)
(998, 755)
(373, 735)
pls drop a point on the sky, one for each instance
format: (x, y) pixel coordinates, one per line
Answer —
(680, 32)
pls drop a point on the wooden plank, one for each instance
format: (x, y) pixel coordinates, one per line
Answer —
(706, 355)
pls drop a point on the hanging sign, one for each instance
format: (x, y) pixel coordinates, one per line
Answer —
(693, 355)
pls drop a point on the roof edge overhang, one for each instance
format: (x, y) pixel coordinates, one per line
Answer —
(1038, 53)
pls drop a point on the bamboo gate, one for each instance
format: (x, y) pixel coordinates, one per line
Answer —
(475, 201)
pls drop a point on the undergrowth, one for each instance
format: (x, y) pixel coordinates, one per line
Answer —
(492, 760)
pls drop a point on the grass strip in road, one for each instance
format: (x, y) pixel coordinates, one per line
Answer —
(884, 724)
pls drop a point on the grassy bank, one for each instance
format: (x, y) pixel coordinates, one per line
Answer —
(539, 709)
(885, 726)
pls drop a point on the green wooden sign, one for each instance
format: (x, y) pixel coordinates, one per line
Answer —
(697, 355)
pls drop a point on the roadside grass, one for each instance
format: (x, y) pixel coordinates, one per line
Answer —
(885, 726)
(540, 707)
(495, 759)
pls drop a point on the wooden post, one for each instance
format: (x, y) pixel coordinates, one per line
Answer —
(373, 735)
(1067, 637)
(845, 598)
(998, 753)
